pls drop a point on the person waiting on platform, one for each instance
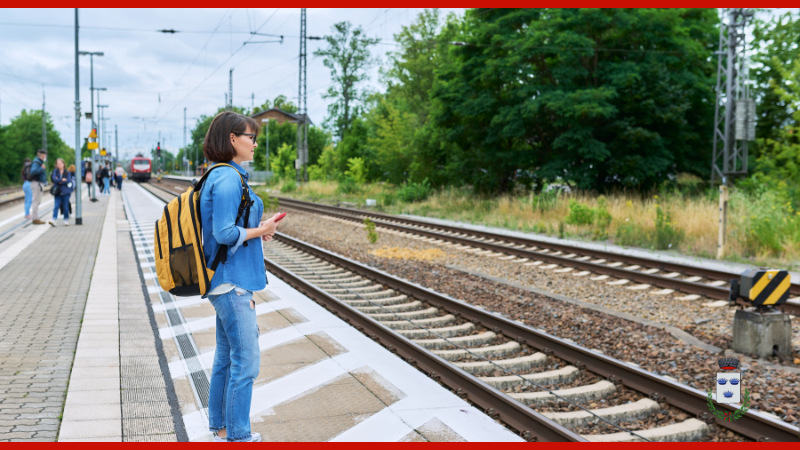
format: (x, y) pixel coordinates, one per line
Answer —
(231, 139)
(119, 173)
(26, 186)
(38, 180)
(104, 175)
(63, 185)
(87, 178)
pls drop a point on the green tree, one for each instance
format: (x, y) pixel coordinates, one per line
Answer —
(393, 142)
(422, 48)
(778, 166)
(407, 146)
(600, 98)
(22, 138)
(775, 44)
(282, 162)
(348, 58)
(282, 103)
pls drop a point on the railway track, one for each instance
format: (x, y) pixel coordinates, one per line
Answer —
(693, 281)
(536, 383)
(11, 190)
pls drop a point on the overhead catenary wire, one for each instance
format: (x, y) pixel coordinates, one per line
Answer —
(218, 67)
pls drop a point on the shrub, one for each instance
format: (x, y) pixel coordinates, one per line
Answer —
(369, 226)
(545, 201)
(289, 186)
(270, 203)
(580, 214)
(415, 192)
(602, 219)
(348, 186)
(388, 198)
(667, 234)
(768, 220)
(316, 173)
(630, 234)
(356, 170)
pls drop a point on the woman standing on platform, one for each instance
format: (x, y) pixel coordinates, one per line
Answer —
(62, 186)
(26, 186)
(119, 173)
(231, 139)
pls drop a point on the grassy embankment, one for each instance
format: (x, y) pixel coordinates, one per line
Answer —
(761, 231)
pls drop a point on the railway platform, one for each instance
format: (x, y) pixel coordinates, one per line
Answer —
(93, 350)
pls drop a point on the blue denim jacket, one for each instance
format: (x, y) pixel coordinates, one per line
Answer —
(66, 186)
(219, 201)
(38, 171)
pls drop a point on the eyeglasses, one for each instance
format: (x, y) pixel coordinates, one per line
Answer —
(252, 136)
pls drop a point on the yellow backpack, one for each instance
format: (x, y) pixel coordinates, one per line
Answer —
(180, 261)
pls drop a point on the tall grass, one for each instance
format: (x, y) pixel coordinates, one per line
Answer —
(761, 228)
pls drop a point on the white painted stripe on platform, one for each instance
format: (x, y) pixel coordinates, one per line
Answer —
(16, 248)
(102, 301)
(265, 342)
(384, 426)
(208, 322)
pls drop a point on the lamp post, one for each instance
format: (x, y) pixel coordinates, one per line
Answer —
(100, 124)
(91, 95)
(78, 156)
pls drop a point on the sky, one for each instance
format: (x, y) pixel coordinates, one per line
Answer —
(151, 77)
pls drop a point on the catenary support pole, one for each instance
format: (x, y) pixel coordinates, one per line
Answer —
(78, 158)
(44, 124)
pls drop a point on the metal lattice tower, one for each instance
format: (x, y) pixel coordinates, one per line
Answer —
(734, 115)
(302, 110)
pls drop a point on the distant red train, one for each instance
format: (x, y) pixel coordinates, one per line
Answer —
(140, 168)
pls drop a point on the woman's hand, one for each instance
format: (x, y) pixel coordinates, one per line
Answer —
(265, 230)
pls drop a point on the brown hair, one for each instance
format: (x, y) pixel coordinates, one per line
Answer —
(217, 144)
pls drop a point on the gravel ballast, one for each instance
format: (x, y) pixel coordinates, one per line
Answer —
(774, 390)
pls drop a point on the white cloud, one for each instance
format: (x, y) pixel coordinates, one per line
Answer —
(140, 65)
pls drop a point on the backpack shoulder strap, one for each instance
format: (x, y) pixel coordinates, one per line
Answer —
(244, 209)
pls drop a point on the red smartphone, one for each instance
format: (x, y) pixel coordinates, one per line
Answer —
(280, 217)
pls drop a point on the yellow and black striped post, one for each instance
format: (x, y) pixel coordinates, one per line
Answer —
(765, 287)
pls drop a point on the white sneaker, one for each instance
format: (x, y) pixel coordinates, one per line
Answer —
(254, 437)
(66, 223)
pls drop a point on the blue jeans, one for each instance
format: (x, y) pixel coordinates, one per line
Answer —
(61, 202)
(237, 361)
(26, 188)
(119, 182)
(105, 186)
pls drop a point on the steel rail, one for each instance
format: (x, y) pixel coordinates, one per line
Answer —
(617, 272)
(754, 425)
(531, 424)
(688, 287)
(757, 426)
(11, 200)
(496, 403)
(628, 259)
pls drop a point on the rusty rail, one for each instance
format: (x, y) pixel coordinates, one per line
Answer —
(753, 425)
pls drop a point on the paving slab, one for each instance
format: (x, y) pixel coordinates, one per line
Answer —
(46, 285)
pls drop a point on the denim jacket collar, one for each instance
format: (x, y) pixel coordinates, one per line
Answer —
(242, 172)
